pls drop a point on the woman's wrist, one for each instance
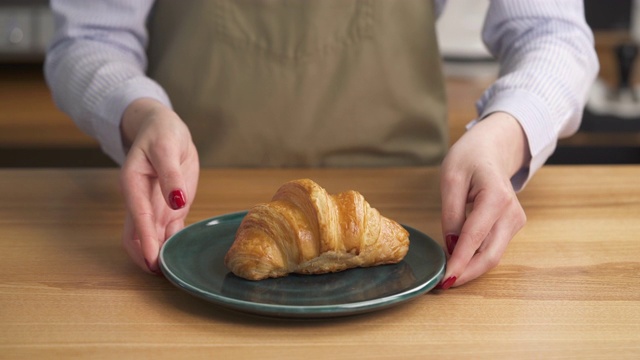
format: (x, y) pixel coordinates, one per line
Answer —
(510, 140)
(136, 114)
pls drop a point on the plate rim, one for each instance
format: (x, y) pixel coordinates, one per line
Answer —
(295, 311)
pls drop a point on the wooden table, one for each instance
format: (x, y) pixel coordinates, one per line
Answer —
(568, 286)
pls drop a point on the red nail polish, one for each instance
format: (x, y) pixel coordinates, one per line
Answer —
(176, 199)
(447, 283)
(452, 241)
(155, 271)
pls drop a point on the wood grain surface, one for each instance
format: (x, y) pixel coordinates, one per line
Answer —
(567, 287)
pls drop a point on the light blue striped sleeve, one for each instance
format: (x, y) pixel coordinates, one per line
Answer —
(547, 66)
(95, 65)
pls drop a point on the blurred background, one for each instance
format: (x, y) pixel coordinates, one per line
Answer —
(34, 133)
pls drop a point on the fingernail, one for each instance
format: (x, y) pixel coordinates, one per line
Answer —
(176, 199)
(451, 240)
(447, 283)
(151, 268)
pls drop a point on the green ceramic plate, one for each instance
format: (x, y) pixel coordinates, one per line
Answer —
(192, 259)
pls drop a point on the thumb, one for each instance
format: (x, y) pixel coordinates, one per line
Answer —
(170, 178)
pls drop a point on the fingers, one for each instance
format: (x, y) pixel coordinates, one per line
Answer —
(484, 214)
(140, 237)
(492, 223)
(132, 244)
(145, 230)
(454, 188)
(489, 254)
(454, 201)
(143, 198)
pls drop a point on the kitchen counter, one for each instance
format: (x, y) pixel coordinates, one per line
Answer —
(567, 287)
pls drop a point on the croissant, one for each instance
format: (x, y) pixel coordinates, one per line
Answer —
(305, 230)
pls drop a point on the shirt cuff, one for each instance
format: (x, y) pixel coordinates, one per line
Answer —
(112, 108)
(536, 121)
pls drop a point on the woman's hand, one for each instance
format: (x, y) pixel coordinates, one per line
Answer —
(480, 210)
(158, 179)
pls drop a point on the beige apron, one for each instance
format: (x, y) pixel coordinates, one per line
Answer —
(303, 82)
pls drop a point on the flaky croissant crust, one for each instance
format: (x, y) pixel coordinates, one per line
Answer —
(305, 230)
